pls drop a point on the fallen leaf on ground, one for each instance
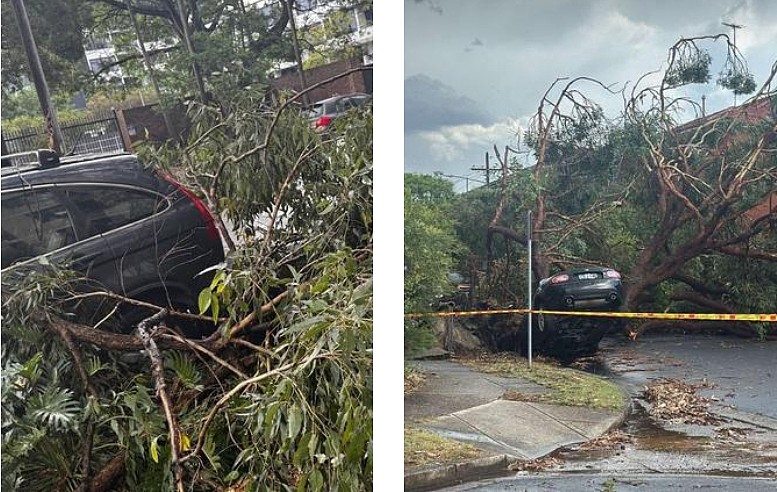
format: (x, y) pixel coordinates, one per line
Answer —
(540, 464)
(677, 401)
(612, 440)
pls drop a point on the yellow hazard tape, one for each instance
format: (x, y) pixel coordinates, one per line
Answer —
(772, 317)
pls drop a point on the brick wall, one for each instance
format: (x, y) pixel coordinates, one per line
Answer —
(147, 122)
(355, 82)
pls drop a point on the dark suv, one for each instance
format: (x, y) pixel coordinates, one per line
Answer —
(132, 229)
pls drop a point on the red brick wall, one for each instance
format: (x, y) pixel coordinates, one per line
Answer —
(355, 82)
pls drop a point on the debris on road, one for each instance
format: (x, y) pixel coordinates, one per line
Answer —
(615, 440)
(513, 395)
(677, 401)
(537, 465)
(413, 380)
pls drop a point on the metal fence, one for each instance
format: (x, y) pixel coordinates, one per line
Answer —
(85, 136)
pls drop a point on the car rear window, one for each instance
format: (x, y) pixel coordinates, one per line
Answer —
(34, 223)
(101, 209)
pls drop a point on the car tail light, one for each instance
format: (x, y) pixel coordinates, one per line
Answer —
(323, 121)
(558, 279)
(612, 274)
(210, 223)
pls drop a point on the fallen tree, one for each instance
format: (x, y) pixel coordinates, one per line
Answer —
(685, 211)
(279, 395)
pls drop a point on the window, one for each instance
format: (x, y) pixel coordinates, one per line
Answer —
(34, 223)
(101, 209)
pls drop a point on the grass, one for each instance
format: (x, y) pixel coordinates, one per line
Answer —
(567, 386)
(425, 448)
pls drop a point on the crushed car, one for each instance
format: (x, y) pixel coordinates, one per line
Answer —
(579, 289)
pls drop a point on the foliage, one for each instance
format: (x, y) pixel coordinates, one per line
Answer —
(280, 396)
(58, 27)
(329, 40)
(430, 241)
(431, 247)
(691, 68)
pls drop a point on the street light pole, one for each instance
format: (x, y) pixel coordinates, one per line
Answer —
(38, 78)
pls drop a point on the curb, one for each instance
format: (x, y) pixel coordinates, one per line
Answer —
(435, 477)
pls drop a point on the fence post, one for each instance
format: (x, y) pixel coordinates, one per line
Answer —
(121, 125)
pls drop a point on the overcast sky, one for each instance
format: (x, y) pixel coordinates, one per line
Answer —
(475, 70)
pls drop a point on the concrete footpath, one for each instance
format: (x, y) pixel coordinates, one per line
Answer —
(459, 403)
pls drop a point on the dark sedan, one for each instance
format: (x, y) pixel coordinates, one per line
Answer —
(579, 289)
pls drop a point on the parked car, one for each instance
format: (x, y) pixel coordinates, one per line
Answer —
(128, 227)
(579, 289)
(322, 113)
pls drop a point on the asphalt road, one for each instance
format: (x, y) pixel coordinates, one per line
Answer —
(636, 483)
(743, 372)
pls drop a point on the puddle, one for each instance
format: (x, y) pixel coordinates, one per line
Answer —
(649, 435)
(592, 365)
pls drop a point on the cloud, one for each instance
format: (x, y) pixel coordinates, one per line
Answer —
(449, 143)
(430, 104)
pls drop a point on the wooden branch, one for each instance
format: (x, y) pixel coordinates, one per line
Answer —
(106, 478)
(262, 146)
(749, 253)
(134, 56)
(158, 372)
(135, 302)
(252, 317)
(699, 286)
(199, 348)
(115, 341)
(142, 9)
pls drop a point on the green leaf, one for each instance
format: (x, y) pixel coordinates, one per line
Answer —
(316, 480)
(154, 451)
(214, 301)
(295, 421)
(204, 300)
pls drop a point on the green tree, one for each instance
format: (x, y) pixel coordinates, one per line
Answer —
(431, 250)
(666, 203)
(58, 27)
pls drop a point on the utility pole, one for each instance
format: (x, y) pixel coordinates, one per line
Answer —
(297, 55)
(190, 49)
(38, 78)
(487, 169)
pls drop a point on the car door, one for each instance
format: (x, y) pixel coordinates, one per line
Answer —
(123, 215)
(37, 222)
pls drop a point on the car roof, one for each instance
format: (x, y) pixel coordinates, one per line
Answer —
(339, 97)
(114, 168)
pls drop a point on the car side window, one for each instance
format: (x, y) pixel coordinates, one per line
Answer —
(101, 209)
(34, 222)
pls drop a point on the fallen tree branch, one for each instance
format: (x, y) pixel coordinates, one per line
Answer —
(240, 387)
(158, 373)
